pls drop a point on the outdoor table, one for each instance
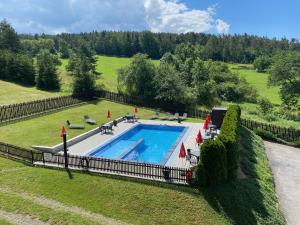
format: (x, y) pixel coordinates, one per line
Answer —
(107, 127)
(130, 118)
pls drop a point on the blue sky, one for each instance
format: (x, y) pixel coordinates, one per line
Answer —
(272, 18)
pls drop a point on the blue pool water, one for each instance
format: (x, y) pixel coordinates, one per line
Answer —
(143, 143)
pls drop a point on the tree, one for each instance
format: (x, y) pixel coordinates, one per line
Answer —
(84, 85)
(149, 45)
(9, 39)
(285, 72)
(262, 63)
(265, 105)
(136, 79)
(47, 77)
(168, 85)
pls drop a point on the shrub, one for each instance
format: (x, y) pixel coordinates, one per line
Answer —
(229, 137)
(265, 105)
(212, 169)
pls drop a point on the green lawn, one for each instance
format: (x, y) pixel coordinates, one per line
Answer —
(257, 80)
(249, 200)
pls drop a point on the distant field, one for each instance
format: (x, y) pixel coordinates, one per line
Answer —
(257, 80)
(11, 93)
(107, 67)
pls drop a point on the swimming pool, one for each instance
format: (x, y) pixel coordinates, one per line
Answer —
(143, 143)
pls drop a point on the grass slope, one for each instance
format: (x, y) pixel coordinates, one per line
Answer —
(11, 93)
(129, 201)
(257, 80)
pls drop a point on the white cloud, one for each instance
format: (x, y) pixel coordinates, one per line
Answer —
(174, 16)
(222, 27)
(56, 16)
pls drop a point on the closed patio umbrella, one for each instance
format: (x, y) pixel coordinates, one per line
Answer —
(206, 123)
(136, 110)
(108, 114)
(182, 152)
(199, 138)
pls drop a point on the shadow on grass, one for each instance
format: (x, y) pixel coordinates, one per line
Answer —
(247, 201)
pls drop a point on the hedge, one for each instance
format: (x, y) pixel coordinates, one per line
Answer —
(212, 168)
(229, 137)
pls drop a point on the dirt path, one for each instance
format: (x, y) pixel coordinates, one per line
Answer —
(285, 164)
(55, 205)
(20, 219)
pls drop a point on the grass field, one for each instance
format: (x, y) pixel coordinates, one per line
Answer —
(11, 93)
(257, 80)
(249, 200)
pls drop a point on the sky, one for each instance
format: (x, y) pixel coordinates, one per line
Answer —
(270, 18)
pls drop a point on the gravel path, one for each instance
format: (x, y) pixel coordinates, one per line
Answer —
(61, 207)
(20, 219)
(285, 164)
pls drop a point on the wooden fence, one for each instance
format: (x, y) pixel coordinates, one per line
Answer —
(99, 165)
(22, 110)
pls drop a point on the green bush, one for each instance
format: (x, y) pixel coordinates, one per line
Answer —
(229, 137)
(212, 169)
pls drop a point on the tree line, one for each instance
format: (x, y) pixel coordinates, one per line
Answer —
(228, 48)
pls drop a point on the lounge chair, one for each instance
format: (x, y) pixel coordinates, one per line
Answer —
(74, 126)
(153, 117)
(88, 120)
(175, 117)
(167, 117)
(183, 117)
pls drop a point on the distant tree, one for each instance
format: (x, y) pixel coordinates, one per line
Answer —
(149, 45)
(47, 78)
(262, 63)
(9, 39)
(64, 49)
(136, 79)
(84, 84)
(285, 72)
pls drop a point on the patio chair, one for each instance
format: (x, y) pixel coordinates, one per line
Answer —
(183, 117)
(153, 117)
(88, 120)
(74, 126)
(106, 128)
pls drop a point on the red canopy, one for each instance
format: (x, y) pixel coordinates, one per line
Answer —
(199, 138)
(182, 153)
(108, 114)
(63, 132)
(136, 110)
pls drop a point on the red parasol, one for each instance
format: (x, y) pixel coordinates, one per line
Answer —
(136, 110)
(208, 118)
(199, 138)
(205, 125)
(182, 153)
(108, 114)
(63, 132)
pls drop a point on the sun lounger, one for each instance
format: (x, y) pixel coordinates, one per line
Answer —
(74, 126)
(88, 120)
(183, 117)
(175, 117)
(153, 117)
(167, 117)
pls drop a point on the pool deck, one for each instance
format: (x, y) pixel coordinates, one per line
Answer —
(189, 140)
